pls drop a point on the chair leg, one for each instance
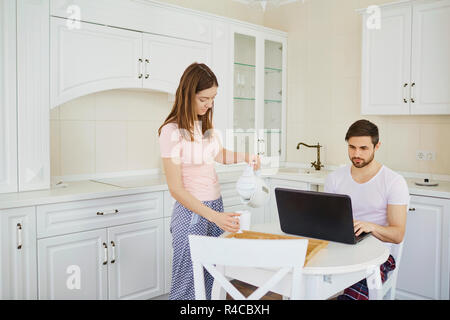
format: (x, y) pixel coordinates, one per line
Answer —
(199, 282)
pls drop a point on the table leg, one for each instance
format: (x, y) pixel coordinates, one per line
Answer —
(374, 283)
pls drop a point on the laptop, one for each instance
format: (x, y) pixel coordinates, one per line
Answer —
(320, 215)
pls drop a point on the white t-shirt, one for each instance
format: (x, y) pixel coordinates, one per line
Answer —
(370, 199)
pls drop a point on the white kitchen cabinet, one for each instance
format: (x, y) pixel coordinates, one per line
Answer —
(168, 255)
(18, 271)
(123, 262)
(271, 215)
(33, 100)
(8, 102)
(258, 80)
(406, 58)
(61, 218)
(121, 259)
(431, 58)
(136, 260)
(165, 60)
(148, 16)
(74, 266)
(92, 58)
(220, 65)
(424, 271)
(386, 68)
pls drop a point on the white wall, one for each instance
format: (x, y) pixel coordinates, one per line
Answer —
(324, 80)
(116, 130)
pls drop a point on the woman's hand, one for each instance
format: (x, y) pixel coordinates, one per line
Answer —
(253, 160)
(227, 221)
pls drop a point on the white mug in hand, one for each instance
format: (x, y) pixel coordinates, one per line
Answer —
(244, 220)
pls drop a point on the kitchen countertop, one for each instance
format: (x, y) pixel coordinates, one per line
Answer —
(110, 187)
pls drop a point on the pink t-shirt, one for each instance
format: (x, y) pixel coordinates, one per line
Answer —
(196, 158)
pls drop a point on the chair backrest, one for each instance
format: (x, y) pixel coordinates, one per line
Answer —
(397, 249)
(288, 255)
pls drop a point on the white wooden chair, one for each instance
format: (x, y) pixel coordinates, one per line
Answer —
(214, 254)
(390, 285)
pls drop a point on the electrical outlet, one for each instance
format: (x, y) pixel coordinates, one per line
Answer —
(430, 155)
(420, 155)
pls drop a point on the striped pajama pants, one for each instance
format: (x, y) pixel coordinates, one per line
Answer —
(185, 222)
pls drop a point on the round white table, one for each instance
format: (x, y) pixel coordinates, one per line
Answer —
(330, 271)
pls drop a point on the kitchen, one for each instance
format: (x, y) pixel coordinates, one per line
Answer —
(80, 116)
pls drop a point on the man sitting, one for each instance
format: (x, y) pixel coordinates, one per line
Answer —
(379, 196)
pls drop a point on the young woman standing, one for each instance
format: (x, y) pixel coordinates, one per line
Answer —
(189, 147)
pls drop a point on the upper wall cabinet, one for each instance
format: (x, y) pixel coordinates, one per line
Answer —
(144, 15)
(430, 73)
(8, 103)
(406, 58)
(33, 99)
(258, 99)
(165, 60)
(93, 58)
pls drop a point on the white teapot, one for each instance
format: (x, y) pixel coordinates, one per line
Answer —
(251, 187)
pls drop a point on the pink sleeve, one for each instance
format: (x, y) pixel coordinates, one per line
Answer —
(169, 141)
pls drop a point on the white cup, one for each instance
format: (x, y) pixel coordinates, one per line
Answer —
(244, 220)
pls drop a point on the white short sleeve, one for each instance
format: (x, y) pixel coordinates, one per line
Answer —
(329, 184)
(398, 193)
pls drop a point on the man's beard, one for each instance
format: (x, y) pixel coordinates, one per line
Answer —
(363, 163)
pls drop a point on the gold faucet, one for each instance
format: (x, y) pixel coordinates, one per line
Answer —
(316, 164)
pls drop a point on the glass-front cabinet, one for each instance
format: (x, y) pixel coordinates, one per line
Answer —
(258, 113)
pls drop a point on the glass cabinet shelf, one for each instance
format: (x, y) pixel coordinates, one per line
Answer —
(253, 99)
(267, 69)
(242, 98)
(244, 131)
(245, 65)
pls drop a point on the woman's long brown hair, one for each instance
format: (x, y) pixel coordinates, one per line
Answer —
(197, 77)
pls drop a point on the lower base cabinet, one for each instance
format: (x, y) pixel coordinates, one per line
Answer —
(121, 262)
(424, 267)
(18, 272)
(168, 253)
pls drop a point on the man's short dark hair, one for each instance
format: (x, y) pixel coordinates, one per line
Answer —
(363, 128)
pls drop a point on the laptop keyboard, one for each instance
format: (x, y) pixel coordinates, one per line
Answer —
(361, 236)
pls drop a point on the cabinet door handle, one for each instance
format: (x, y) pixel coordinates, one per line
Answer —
(413, 99)
(19, 236)
(101, 213)
(147, 75)
(113, 246)
(140, 68)
(412, 209)
(105, 253)
(405, 100)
